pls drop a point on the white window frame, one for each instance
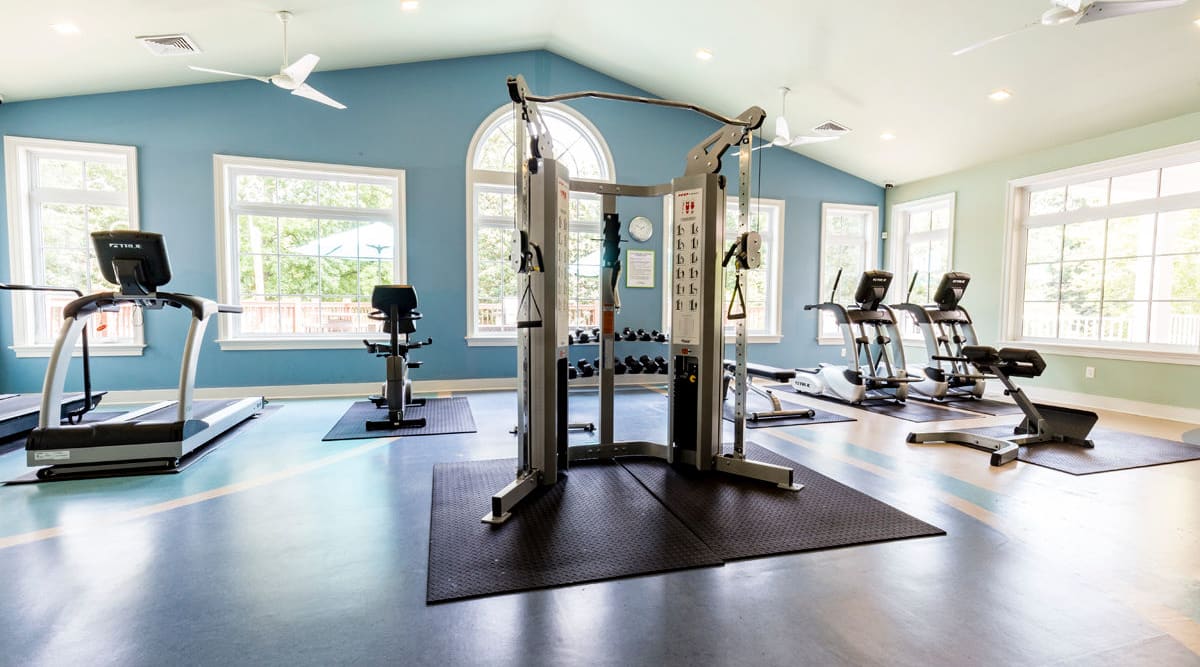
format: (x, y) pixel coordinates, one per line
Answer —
(476, 177)
(870, 256)
(899, 238)
(21, 224)
(774, 332)
(1016, 212)
(225, 168)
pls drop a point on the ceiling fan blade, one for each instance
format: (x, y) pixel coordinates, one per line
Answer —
(783, 134)
(315, 95)
(976, 45)
(808, 139)
(1107, 10)
(300, 69)
(221, 71)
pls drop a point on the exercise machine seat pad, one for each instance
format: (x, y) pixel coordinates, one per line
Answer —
(764, 371)
(1012, 361)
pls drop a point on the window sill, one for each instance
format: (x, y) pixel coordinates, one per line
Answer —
(94, 350)
(838, 340)
(755, 339)
(1099, 352)
(311, 343)
(491, 341)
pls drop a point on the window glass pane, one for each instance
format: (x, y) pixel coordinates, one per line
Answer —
(496, 204)
(1079, 320)
(257, 234)
(341, 313)
(1127, 279)
(1044, 244)
(919, 222)
(1135, 187)
(337, 193)
(1175, 323)
(63, 226)
(1180, 180)
(1092, 193)
(584, 209)
(1082, 281)
(372, 272)
(299, 191)
(67, 268)
(941, 218)
(1047, 201)
(939, 257)
(848, 258)
(1179, 231)
(339, 276)
(495, 281)
(65, 174)
(299, 314)
(1125, 321)
(107, 177)
(1131, 237)
(260, 314)
(1041, 282)
(298, 275)
(847, 224)
(255, 188)
(1084, 240)
(298, 236)
(1040, 320)
(259, 274)
(1177, 277)
(375, 196)
(107, 218)
(496, 151)
(339, 238)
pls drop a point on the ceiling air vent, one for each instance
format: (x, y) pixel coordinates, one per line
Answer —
(169, 45)
(831, 127)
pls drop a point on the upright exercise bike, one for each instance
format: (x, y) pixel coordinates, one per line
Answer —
(947, 329)
(866, 327)
(395, 306)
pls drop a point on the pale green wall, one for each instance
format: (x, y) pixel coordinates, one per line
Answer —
(979, 250)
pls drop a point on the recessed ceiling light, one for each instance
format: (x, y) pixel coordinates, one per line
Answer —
(999, 95)
(704, 54)
(410, 5)
(887, 136)
(65, 28)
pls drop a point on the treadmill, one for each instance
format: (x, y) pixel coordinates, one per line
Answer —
(19, 412)
(155, 438)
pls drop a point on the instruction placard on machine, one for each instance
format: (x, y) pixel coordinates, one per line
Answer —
(687, 258)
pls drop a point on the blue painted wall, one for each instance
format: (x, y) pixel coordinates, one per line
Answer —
(417, 117)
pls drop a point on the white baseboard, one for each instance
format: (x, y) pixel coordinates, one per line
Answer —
(356, 389)
(1097, 402)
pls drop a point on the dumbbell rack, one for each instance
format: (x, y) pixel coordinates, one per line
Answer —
(584, 369)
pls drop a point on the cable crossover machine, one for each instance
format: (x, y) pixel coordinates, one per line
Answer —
(540, 256)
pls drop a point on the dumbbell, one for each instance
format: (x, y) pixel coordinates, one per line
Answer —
(628, 334)
(570, 339)
(572, 373)
(648, 365)
(619, 367)
(659, 337)
(582, 336)
(633, 365)
(661, 364)
(595, 333)
(644, 335)
(586, 369)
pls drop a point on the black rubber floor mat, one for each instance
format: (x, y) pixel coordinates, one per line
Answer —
(984, 406)
(442, 416)
(598, 523)
(1114, 450)
(819, 417)
(739, 518)
(186, 462)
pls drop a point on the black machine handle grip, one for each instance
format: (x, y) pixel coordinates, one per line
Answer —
(228, 308)
(940, 357)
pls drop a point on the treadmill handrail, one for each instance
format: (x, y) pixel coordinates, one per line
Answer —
(91, 304)
(83, 341)
(838, 310)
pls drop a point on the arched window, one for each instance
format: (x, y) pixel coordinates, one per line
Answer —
(491, 163)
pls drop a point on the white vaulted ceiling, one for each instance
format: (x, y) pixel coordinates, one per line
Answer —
(876, 65)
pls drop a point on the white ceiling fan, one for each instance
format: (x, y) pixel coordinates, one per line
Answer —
(290, 77)
(1081, 11)
(783, 134)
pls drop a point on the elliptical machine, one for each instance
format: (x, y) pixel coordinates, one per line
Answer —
(947, 329)
(868, 377)
(395, 306)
